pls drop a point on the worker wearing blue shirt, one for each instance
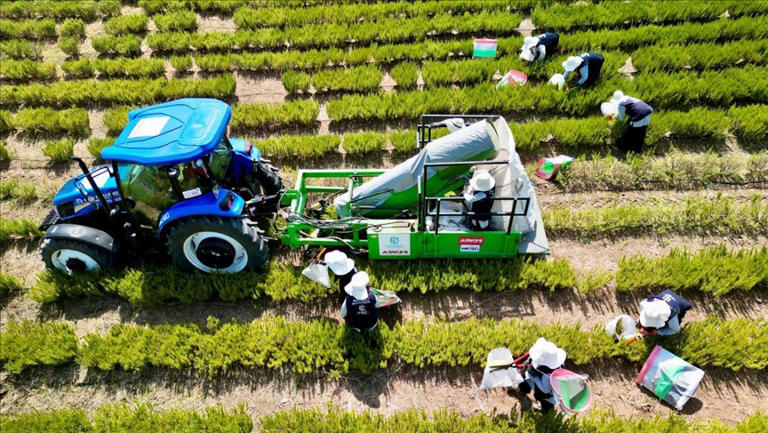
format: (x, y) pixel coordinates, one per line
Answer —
(583, 70)
(663, 314)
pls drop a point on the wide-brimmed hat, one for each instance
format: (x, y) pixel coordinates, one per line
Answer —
(339, 263)
(571, 63)
(654, 313)
(358, 286)
(618, 96)
(529, 41)
(547, 354)
(482, 181)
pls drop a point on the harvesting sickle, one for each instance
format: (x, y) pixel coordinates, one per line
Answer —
(174, 181)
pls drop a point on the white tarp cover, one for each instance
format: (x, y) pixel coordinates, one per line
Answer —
(669, 377)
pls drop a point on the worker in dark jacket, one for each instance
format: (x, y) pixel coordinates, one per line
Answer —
(638, 115)
(478, 198)
(535, 48)
(359, 307)
(343, 269)
(582, 70)
(544, 358)
(663, 314)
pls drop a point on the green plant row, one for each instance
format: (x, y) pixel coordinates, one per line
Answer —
(205, 6)
(84, 9)
(126, 24)
(334, 420)
(152, 286)
(59, 151)
(88, 92)
(754, 28)
(18, 228)
(27, 70)
(125, 45)
(674, 170)
(359, 79)
(248, 117)
(661, 90)
(20, 49)
(9, 285)
(23, 193)
(306, 347)
(73, 28)
(336, 35)
(124, 418)
(119, 67)
(27, 29)
(72, 121)
(255, 18)
(702, 215)
(176, 21)
(700, 56)
(562, 17)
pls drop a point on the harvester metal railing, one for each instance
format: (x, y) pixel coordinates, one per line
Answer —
(424, 129)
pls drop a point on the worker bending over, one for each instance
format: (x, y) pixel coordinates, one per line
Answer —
(662, 314)
(544, 358)
(343, 269)
(639, 114)
(359, 307)
(478, 198)
(582, 70)
(535, 48)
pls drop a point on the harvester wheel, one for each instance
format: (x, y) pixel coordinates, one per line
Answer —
(213, 244)
(71, 256)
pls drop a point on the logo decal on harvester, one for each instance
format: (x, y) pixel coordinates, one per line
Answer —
(470, 244)
(395, 244)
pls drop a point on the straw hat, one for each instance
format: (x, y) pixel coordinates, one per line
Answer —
(547, 354)
(358, 286)
(571, 63)
(339, 263)
(482, 181)
(654, 313)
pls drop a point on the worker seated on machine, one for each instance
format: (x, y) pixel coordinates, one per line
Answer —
(478, 199)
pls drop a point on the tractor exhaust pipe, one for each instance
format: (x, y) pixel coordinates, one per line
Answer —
(87, 173)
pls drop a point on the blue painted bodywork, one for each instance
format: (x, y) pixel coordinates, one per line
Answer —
(191, 129)
(78, 191)
(206, 204)
(242, 158)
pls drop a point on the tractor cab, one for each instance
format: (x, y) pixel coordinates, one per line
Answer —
(172, 162)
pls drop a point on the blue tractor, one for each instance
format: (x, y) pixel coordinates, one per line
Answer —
(173, 179)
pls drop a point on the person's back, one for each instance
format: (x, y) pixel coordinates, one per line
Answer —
(663, 314)
(359, 308)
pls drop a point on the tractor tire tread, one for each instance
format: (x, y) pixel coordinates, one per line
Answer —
(50, 246)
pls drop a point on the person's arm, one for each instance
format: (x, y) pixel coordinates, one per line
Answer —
(344, 309)
(673, 326)
(622, 111)
(584, 72)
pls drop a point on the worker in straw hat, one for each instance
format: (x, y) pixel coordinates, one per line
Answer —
(359, 307)
(662, 314)
(638, 113)
(343, 269)
(535, 48)
(582, 70)
(544, 357)
(478, 198)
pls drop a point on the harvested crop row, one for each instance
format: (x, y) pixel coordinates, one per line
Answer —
(88, 93)
(617, 14)
(306, 347)
(721, 215)
(123, 418)
(337, 35)
(675, 170)
(280, 282)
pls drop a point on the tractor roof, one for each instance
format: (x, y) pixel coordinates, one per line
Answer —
(170, 133)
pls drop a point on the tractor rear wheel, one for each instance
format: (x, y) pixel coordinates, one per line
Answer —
(71, 256)
(213, 244)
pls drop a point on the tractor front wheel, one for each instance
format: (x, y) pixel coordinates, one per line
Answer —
(212, 244)
(71, 256)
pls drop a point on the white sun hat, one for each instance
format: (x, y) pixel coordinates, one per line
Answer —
(609, 108)
(482, 181)
(529, 41)
(618, 96)
(358, 286)
(547, 354)
(571, 63)
(339, 263)
(654, 313)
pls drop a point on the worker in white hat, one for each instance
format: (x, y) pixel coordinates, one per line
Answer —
(582, 70)
(478, 198)
(535, 48)
(359, 307)
(343, 269)
(638, 115)
(662, 314)
(544, 357)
